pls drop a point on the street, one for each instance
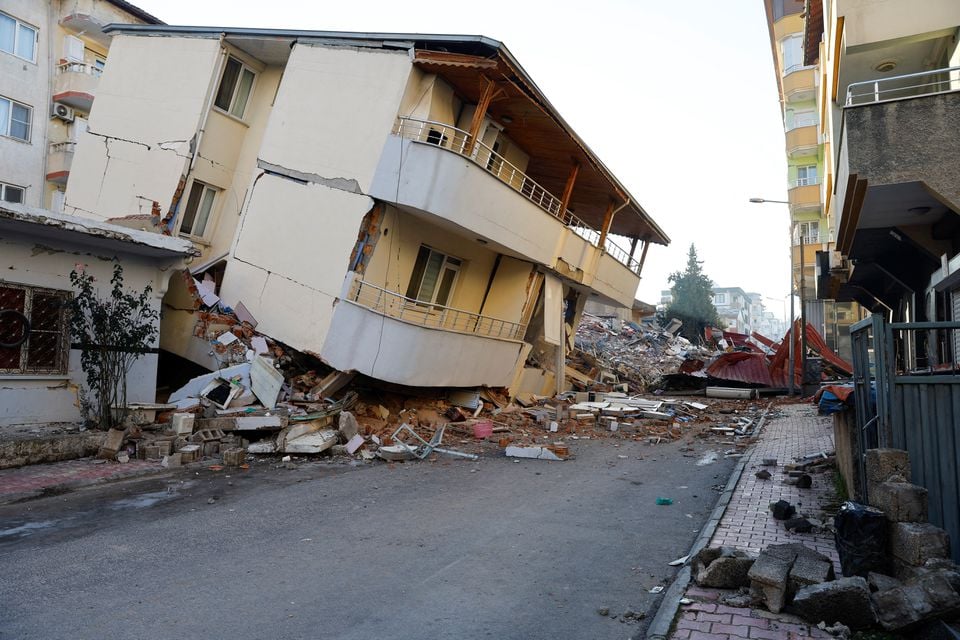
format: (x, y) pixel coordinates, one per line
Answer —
(448, 548)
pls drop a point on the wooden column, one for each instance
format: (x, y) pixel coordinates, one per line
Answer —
(568, 189)
(607, 221)
(486, 97)
(643, 256)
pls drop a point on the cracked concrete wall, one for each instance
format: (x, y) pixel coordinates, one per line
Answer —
(149, 105)
(40, 261)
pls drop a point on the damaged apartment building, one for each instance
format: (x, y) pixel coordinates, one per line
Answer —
(407, 207)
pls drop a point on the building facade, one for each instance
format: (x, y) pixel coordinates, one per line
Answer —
(809, 179)
(52, 54)
(408, 207)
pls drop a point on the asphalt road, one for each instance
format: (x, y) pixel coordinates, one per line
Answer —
(444, 549)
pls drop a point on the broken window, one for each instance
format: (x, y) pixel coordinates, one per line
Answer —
(434, 277)
(199, 206)
(15, 119)
(235, 85)
(34, 336)
(18, 38)
(11, 193)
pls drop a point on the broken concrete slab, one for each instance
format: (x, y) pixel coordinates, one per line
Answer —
(265, 381)
(258, 423)
(808, 569)
(182, 423)
(355, 443)
(722, 568)
(846, 601)
(881, 582)
(171, 461)
(347, 425)
(534, 452)
(768, 580)
(262, 447)
(193, 388)
(932, 596)
(308, 437)
(234, 457)
(111, 444)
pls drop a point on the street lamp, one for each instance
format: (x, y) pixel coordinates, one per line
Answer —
(803, 322)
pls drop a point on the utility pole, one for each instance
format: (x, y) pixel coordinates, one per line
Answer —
(803, 319)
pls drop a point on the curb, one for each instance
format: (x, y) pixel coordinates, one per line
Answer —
(73, 485)
(662, 621)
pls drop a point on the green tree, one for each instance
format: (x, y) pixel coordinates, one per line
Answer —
(692, 298)
(113, 331)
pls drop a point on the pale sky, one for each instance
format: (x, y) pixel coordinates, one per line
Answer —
(679, 99)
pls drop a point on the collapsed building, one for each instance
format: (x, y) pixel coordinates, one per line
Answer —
(407, 207)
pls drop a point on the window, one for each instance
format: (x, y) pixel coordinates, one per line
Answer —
(791, 49)
(434, 277)
(17, 38)
(809, 231)
(436, 137)
(235, 85)
(719, 298)
(797, 119)
(199, 206)
(806, 175)
(46, 346)
(15, 119)
(11, 193)
(98, 65)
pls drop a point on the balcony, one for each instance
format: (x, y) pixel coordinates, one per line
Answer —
(804, 195)
(802, 141)
(76, 84)
(387, 336)
(490, 198)
(799, 84)
(59, 159)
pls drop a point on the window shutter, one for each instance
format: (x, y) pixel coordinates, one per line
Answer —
(73, 49)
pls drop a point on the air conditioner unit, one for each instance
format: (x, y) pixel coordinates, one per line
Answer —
(62, 111)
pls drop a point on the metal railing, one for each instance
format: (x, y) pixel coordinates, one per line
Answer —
(911, 85)
(805, 182)
(424, 314)
(458, 141)
(63, 147)
(79, 67)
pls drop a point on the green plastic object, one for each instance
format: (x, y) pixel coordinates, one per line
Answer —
(663, 501)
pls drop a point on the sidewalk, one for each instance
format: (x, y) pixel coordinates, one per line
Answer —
(748, 524)
(49, 479)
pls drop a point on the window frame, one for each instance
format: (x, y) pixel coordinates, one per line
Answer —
(233, 93)
(804, 231)
(720, 298)
(3, 193)
(447, 261)
(807, 180)
(63, 342)
(5, 128)
(206, 186)
(17, 24)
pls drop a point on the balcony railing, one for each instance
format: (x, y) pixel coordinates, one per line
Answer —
(911, 85)
(63, 147)
(805, 182)
(394, 305)
(79, 67)
(457, 140)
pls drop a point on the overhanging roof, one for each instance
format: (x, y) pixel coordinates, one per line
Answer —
(136, 11)
(32, 221)
(528, 117)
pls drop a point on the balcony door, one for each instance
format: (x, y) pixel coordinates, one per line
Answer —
(434, 277)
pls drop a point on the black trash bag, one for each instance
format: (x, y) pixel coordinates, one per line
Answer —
(861, 537)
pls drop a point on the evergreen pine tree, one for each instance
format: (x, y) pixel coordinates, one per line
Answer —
(692, 298)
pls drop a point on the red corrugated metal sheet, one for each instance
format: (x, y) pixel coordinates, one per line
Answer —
(764, 340)
(741, 366)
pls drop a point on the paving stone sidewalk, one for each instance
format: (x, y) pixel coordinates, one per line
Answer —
(40, 479)
(748, 524)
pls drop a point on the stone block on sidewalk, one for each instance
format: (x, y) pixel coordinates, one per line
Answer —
(234, 457)
(931, 596)
(808, 569)
(914, 543)
(846, 600)
(347, 425)
(900, 501)
(881, 464)
(111, 444)
(722, 568)
(768, 580)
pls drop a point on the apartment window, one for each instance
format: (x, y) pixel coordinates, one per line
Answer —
(806, 175)
(15, 119)
(719, 298)
(98, 65)
(791, 50)
(436, 137)
(199, 206)
(235, 85)
(18, 38)
(809, 231)
(34, 337)
(434, 277)
(11, 193)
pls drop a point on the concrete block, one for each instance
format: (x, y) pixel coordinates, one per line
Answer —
(111, 444)
(234, 457)
(846, 601)
(189, 453)
(768, 581)
(166, 447)
(211, 449)
(809, 570)
(171, 461)
(914, 543)
(182, 423)
(347, 426)
(900, 501)
(883, 463)
(152, 452)
(932, 596)
(722, 568)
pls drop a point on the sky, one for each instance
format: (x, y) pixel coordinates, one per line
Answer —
(678, 99)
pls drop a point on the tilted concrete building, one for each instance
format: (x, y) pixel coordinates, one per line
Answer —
(409, 207)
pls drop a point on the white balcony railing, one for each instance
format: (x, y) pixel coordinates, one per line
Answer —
(394, 305)
(63, 147)
(457, 141)
(911, 85)
(805, 182)
(79, 67)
